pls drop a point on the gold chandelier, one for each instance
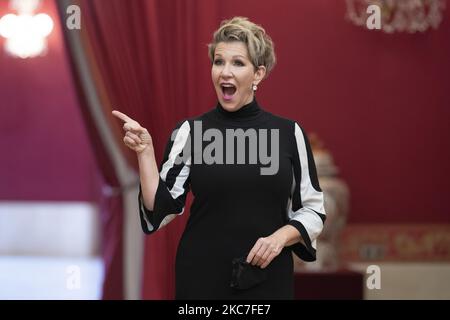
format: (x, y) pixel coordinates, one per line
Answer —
(399, 15)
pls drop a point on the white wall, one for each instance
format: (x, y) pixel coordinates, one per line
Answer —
(49, 250)
(49, 228)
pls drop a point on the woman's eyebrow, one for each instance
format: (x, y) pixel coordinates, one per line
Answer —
(235, 56)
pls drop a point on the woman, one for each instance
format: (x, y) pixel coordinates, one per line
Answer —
(250, 210)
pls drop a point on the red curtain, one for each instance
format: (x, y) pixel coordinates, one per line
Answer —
(149, 60)
(110, 202)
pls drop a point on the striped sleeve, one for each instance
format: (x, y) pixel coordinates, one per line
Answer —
(306, 206)
(173, 184)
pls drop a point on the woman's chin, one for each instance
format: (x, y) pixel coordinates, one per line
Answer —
(229, 104)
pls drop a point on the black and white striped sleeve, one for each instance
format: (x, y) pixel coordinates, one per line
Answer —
(306, 210)
(173, 184)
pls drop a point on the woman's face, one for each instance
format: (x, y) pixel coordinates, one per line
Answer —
(233, 75)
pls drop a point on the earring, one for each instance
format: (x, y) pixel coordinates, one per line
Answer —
(255, 87)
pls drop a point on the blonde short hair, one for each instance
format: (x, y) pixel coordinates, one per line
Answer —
(259, 45)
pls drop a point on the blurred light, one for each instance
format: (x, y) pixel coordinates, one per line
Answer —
(43, 23)
(7, 25)
(24, 6)
(26, 33)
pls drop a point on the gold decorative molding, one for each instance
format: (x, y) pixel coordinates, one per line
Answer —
(379, 242)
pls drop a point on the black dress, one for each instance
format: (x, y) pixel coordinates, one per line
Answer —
(234, 203)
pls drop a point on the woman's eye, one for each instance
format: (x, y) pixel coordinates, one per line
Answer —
(217, 62)
(239, 63)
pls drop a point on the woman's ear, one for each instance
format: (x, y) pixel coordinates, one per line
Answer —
(259, 74)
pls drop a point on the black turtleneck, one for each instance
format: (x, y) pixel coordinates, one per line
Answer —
(246, 116)
(249, 110)
(234, 204)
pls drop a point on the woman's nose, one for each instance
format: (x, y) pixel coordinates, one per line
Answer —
(226, 71)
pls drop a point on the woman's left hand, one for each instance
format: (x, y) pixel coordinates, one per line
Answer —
(265, 250)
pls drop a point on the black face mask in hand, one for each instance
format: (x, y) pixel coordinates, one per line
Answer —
(245, 275)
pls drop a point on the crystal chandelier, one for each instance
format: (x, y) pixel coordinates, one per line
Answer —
(399, 15)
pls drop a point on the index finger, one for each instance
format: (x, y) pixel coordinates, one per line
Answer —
(122, 116)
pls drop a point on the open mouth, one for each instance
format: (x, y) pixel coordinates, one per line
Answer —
(228, 90)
